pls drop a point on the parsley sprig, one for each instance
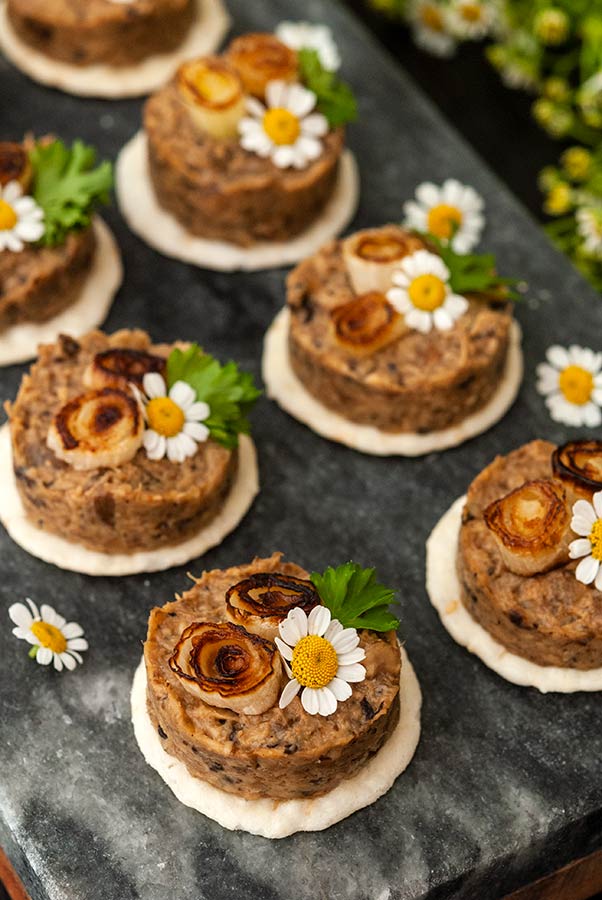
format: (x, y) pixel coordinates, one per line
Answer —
(229, 392)
(473, 273)
(355, 598)
(336, 100)
(67, 186)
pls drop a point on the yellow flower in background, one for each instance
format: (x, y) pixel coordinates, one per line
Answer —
(577, 162)
(559, 200)
(551, 26)
(557, 89)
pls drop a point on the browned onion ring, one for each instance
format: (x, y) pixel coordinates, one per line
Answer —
(117, 367)
(578, 465)
(225, 666)
(263, 600)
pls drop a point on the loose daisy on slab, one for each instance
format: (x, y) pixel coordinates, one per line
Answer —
(452, 210)
(287, 130)
(587, 523)
(21, 219)
(571, 382)
(305, 36)
(174, 419)
(470, 19)
(53, 639)
(423, 295)
(322, 659)
(431, 27)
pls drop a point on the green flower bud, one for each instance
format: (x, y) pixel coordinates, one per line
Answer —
(577, 163)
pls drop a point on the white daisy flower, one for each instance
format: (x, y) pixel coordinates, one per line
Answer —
(440, 209)
(431, 27)
(287, 131)
(304, 35)
(571, 382)
(174, 420)
(589, 226)
(321, 657)
(471, 20)
(54, 639)
(21, 219)
(587, 523)
(423, 295)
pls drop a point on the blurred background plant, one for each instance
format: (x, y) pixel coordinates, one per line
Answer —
(552, 49)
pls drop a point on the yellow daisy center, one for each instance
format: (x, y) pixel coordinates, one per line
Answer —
(442, 218)
(314, 662)
(8, 217)
(427, 292)
(576, 384)
(472, 12)
(49, 636)
(595, 539)
(165, 417)
(431, 17)
(281, 126)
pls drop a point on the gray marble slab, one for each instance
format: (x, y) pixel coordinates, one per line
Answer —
(505, 784)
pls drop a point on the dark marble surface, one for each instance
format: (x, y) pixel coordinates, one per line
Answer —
(505, 784)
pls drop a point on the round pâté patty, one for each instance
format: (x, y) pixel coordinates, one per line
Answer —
(97, 31)
(419, 382)
(141, 505)
(550, 618)
(40, 282)
(283, 754)
(219, 191)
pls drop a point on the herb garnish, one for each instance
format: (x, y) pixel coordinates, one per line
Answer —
(336, 100)
(355, 598)
(67, 186)
(473, 272)
(229, 392)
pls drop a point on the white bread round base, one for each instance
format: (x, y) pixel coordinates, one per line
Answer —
(20, 342)
(114, 82)
(443, 588)
(75, 558)
(283, 386)
(279, 819)
(147, 218)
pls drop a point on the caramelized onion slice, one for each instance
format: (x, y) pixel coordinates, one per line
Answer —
(578, 465)
(14, 164)
(371, 256)
(213, 93)
(262, 601)
(531, 526)
(367, 323)
(259, 58)
(99, 428)
(225, 666)
(119, 367)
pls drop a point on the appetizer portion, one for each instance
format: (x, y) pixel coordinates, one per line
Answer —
(242, 150)
(111, 32)
(520, 538)
(289, 717)
(53, 250)
(385, 330)
(121, 446)
(108, 48)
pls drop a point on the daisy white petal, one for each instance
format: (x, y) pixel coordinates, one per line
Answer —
(286, 650)
(558, 357)
(310, 701)
(318, 620)
(289, 692)
(275, 93)
(579, 548)
(354, 672)
(333, 629)
(44, 656)
(598, 580)
(72, 630)
(197, 431)
(597, 503)
(154, 444)
(20, 615)
(352, 656)
(58, 662)
(327, 702)
(583, 512)
(587, 570)
(78, 643)
(182, 394)
(154, 385)
(346, 640)
(341, 689)
(198, 412)
(68, 661)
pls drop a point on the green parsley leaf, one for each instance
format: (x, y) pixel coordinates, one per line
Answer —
(355, 598)
(336, 100)
(473, 273)
(67, 186)
(229, 392)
